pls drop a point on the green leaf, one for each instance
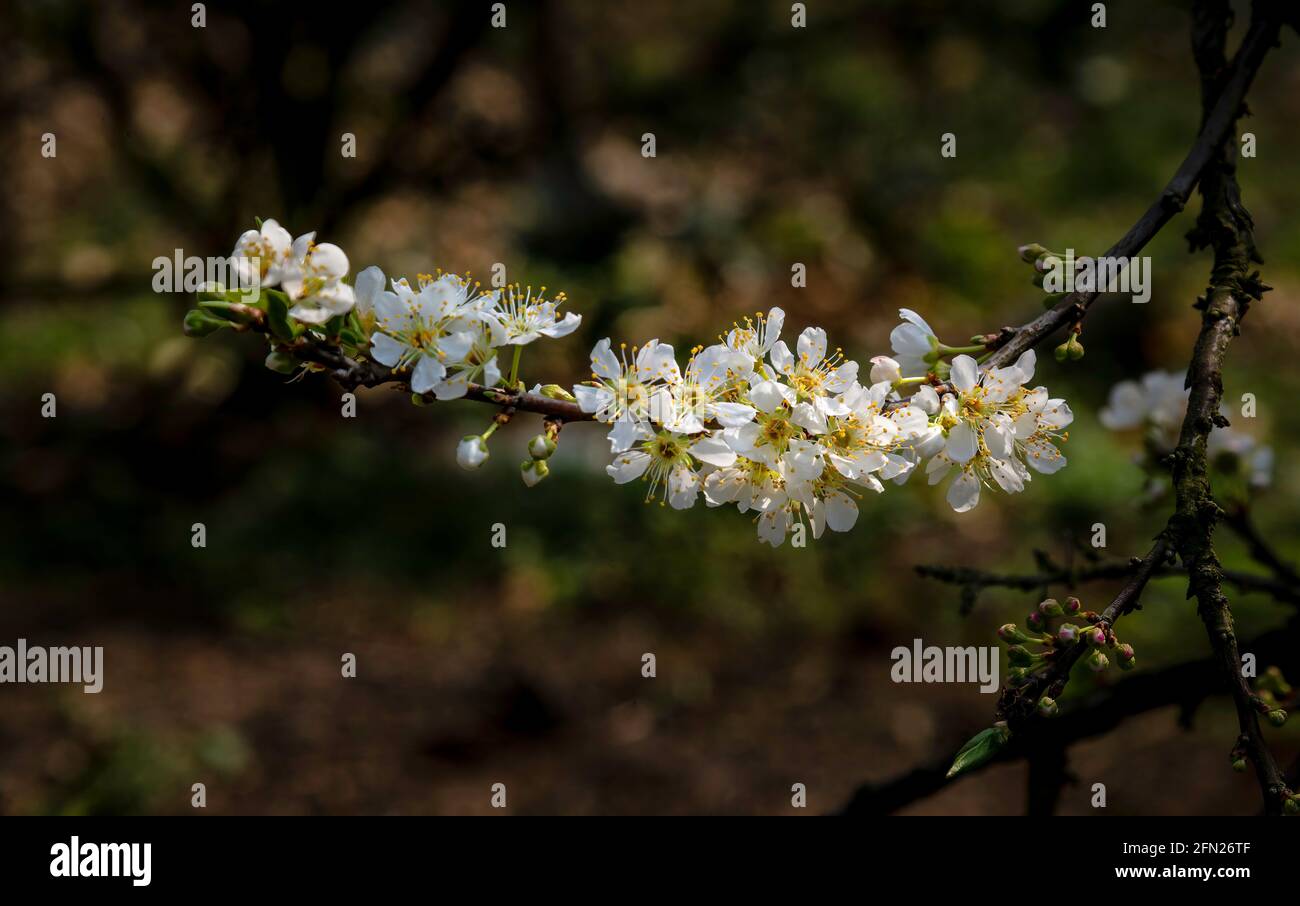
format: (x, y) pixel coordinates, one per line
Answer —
(277, 317)
(978, 749)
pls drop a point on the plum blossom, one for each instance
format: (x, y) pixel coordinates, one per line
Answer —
(312, 278)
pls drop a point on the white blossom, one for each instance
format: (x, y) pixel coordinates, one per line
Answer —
(312, 278)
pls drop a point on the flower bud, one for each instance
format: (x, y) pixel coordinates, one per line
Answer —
(1035, 621)
(1051, 608)
(200, 324)
(1010, 632)
(1239, 765)
(1095, 637)
(1031, 251)
(281, 363)
(1019, 656)
(1067, 634)
(1016, 677)
(556, 392)
(1072, 604)
(471, 452)
(1097, 661)
(1292, 805)
(883, 368)
(533, 471)
(1047, 707)
(541, 447)
(1277, 717)
(1274, 681)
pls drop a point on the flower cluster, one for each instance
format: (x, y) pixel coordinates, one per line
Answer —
(1156, 405)
(443, 329)
(794, 437)
(1048, 636)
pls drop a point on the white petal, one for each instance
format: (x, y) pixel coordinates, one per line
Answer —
(962, 443)
(812, 346)
(926, 399)
(808, 417)
(428, 372)
(563, 328)
(732, 415)
(964, 492)
(767, 395)
(683, 488)
(841, 511)
(782, 357)
(965, 373)
(713, 450)
(454, 347)
(628, 466)
(625, 433)
(1043, 457)
(656, 362)
(592, 399)
(387, 351)
(603, 361)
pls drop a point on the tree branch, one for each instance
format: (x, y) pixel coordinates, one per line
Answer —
(1262, 36)
(1184, 685)
(1225, 225)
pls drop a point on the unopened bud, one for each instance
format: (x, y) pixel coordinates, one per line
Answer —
(1019, 656)
(1047, 707)
(1031, 251)
(1277, 717)
(281, 363)
(1068, 633)
(1051, 608)
(1239, 765)
(1035, 621)
(533, 471)
(1097, 661)
(541, 447)
(1095, 637)
(1010, 632)
(556, 392)
(200, 324)
(1073, 604)
(471, 452)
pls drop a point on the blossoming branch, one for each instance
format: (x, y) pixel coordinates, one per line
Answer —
(789, 435)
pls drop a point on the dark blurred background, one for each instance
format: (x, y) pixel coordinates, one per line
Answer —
(521, 145)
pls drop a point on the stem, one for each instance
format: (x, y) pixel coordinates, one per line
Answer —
(514, 368)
